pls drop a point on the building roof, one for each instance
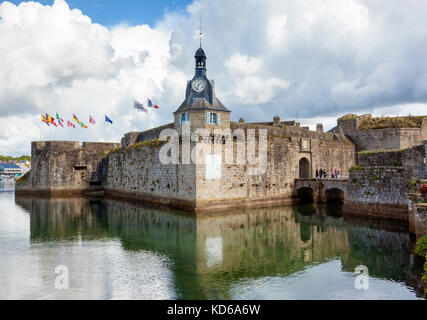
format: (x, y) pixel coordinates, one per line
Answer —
(200, 53)
(201, 104)
(9, 166)
(204, 100)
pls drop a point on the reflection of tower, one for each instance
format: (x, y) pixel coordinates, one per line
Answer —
(213, 251)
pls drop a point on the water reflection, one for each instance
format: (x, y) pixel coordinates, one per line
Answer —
(242, 254)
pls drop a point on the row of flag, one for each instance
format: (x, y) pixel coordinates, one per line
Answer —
(59, 122)
(140, 107)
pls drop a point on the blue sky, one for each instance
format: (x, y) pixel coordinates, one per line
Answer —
(132, 12)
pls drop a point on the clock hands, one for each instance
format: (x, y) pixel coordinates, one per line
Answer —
(198, 85)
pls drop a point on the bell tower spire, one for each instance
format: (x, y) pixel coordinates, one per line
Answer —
(200, 32)
(200, 55)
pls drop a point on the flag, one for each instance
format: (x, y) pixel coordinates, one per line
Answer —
(150, 104)
(83, 125)
(92, 120)
(75, 119)
(49, 118)
(70, 124)
(139, 106)
(108, 119)
(60, 121)
(58, 118)
(44, 119)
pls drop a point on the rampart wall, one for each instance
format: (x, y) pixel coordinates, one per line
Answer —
(381, 138)
(411, 159)
(64, 167)
(136, 171)
(378, 192)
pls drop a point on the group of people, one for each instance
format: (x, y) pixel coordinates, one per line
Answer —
(323, 174)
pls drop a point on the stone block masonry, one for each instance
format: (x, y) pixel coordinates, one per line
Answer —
(412, 159)
(385, 138)
(284, 155)
(134, 170)
(65, 167)
(378, 192)
(136, 173)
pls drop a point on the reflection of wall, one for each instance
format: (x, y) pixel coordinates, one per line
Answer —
(379, 250)
(251, 239)
(57, 219)
(210, 252)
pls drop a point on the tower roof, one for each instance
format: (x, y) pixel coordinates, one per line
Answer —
(204, 99)
(201, 104)
(200, 53)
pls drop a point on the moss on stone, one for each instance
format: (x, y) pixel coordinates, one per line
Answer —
(147, 144)
(391, 122)
(355, 168)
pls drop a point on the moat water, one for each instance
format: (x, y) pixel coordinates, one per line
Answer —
(116, 250)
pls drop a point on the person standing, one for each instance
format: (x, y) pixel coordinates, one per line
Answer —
(336, 174)
(317, 174)
(321, 173)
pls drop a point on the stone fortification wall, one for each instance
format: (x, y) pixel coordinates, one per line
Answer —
(378, 192)
(137, 137)
(411, 159)
(390, 138)
(393, 138)
(136, 172)
(64, 167)
(286, 147)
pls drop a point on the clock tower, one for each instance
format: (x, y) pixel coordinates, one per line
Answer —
(201, 108)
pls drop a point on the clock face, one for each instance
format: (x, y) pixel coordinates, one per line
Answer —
(198, 85)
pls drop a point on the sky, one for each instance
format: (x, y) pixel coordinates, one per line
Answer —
(132, 12)
(312, 61)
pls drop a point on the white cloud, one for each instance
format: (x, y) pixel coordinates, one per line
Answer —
(56, 60)
(243, 64)
(298, 59)
(276, 31)
(248, 84)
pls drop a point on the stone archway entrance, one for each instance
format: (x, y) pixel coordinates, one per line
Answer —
(335, 196)
(306, 195)
(304, 169)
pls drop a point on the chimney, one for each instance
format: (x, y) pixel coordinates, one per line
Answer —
(319, 127)
(276, 121)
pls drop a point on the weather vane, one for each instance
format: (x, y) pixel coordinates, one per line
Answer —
(200, 32)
